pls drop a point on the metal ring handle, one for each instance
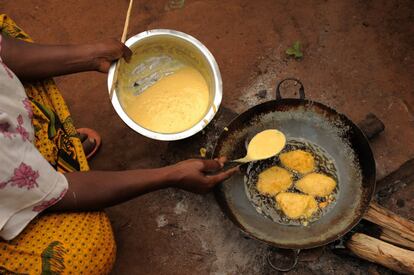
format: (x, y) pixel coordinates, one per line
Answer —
(284, 269)
(301, 88)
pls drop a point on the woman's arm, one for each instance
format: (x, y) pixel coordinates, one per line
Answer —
(98, 189)
(31, 61)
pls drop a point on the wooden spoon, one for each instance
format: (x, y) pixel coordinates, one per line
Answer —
(264, 145)
(123, 39)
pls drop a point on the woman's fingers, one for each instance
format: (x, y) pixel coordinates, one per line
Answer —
(215, 179)
(211, 165)
(222, 160)
(214, 165)
(104, 66)
(126, 53)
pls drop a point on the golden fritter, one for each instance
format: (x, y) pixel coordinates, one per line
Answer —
(298, 160)
(296, 206)
(274, 180)
(316, 184)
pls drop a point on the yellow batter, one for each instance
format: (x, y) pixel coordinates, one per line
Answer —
(316, 184)
(298, 160)
(265, 144)
(297, 206)
(173, 104)
(274, 180)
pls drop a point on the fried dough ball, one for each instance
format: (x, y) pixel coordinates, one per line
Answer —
(298, 160)
(274, 180)
(296, 206)
(316, 184)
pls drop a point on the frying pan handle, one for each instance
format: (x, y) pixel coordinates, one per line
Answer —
(301, 88)
(294, 262)
(371, 126)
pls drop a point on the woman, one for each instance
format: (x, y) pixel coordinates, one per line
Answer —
(45, 180)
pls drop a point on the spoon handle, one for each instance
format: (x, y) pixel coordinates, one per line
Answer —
(242, 160)
(230, 164)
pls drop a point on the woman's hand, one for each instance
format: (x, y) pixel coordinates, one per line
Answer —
(107, 52)
(199, 176)
(94, 190)
(32, 61)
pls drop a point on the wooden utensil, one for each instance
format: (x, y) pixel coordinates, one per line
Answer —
(123, 39)
(263, 145)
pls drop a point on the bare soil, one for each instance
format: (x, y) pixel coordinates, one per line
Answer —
(358, 58)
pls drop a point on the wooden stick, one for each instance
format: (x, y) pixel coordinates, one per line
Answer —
(126, 24)
(123, 39)
(389, 220)
(374, 250)
(396, 239)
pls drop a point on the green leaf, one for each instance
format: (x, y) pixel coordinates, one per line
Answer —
(296, 46)
(295, 50)
(174, 4)
(290, 51)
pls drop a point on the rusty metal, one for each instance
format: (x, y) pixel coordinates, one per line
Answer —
(322, 125)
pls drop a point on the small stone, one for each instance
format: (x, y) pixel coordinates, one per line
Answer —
(261, 94)
(400, 203)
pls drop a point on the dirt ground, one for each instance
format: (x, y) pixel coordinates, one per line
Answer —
(358, 58)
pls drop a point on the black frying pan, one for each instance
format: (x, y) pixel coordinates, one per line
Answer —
(321, 125)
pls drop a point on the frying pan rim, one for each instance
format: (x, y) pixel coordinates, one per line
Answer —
(219, 195)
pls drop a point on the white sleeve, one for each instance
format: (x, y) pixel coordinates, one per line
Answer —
(28, 183)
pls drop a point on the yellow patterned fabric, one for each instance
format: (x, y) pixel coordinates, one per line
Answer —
(72, 243)
(55, 136)
(62, 243)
